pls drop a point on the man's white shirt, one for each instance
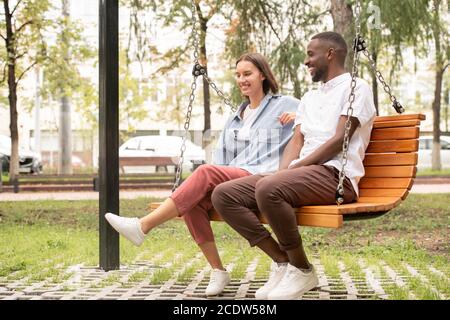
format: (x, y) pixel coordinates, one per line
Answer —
(318, 114)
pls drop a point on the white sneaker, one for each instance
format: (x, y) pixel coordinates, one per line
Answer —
(294, 284)
(277, 271)
(218, 280)
(130, 228)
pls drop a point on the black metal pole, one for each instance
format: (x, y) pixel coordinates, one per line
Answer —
(109, 131)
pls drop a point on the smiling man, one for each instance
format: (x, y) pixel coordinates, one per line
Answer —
(308, 172)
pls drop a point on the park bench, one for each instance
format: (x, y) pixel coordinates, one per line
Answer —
(79, 182)
(390, 168)
(157, 162)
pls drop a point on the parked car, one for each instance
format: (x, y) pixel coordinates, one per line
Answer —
(163, 146)
(29, 161)
(425, 147)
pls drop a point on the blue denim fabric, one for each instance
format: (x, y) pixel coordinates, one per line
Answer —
(262, 149)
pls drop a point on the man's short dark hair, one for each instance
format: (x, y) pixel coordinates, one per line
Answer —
(336, 41)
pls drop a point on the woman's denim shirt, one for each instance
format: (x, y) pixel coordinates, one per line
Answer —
(261, 149)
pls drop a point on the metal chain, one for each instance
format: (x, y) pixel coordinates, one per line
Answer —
(195, 40)
(351, 99)
(219, 92)
(197, 71)
(179, 167)
(397, 106)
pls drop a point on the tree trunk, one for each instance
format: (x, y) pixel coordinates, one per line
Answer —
(206, 93)
(436, 150)
(65, 141)
(446, 102)
(342, 14)
(37, 113)
(12, 95)
(65, 129)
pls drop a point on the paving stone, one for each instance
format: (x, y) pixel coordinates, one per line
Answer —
(91, 283)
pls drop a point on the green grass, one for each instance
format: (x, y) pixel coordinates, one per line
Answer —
(40, 239)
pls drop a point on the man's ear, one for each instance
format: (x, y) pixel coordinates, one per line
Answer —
(331, 53)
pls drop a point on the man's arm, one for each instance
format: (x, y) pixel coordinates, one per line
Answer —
(292, 150)
(330, 148)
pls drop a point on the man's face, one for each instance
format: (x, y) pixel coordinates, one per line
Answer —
(317, 60)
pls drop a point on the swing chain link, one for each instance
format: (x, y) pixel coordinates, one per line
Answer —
(219, 92)
(348, 124)
(395, 104)
(198, 70)
(359, 45)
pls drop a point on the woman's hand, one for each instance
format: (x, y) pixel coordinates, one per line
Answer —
(287, 117)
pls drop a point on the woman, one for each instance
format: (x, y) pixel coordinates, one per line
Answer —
(252, 142)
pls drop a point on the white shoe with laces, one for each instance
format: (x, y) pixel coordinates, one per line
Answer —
(130, 228)
(218, 280)
(277, 271)
(294, 284)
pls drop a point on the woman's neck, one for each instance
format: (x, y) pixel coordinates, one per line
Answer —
(256, 99)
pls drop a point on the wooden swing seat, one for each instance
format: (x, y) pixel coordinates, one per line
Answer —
(390, 168)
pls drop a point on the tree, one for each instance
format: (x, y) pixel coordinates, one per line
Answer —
(442, 58)
(173, 107)
(133, 94)
(342, 14)
(204, 10)
(21, 30)
(277, 29)
(388, 29)
(65, 126)
(63, 81)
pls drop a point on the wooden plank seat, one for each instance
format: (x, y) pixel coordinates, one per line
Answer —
(390, 166)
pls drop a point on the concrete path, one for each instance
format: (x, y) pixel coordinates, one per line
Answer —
(158, 193)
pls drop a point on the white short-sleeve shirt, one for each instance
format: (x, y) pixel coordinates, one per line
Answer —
(319, 112)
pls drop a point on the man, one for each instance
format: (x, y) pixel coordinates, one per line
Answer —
(309, 170)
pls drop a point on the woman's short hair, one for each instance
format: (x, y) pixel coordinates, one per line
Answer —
(260, 62)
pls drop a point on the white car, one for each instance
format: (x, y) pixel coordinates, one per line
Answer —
(425, 147)
(29, 161)
(163, 146)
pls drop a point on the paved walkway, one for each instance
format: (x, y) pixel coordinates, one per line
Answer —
(158, 193)
(138, 281)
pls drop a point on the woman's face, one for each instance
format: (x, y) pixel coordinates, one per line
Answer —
(249, 79)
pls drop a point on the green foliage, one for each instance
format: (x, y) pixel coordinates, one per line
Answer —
(395, 30)
(61, 68)
(133, 94)
(29, 25)
(277, 29)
